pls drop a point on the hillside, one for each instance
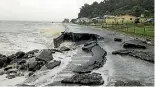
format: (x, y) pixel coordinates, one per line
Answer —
(118, 7)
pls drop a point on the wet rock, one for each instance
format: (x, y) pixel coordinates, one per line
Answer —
(1, 71)
(45, 55)
(31, 54)
(34, 65)
(122, 52)
(148, 56)
(3, 60)
(85, 79)
(12, 71)
(23, 67)
(22, 62)
(12, 66)
(118, 39)
(97, 61)
(53, 64)
(11, 76)
(20, 54)
(133, 83)
(119, 83)
(64, 48)
(135, 44)
(30, 74)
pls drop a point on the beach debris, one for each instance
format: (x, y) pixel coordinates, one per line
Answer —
(118, 39)
(148, 56)
(98, 60)
(45, 55)
(84, 79)
(53, 64)
(136, 43)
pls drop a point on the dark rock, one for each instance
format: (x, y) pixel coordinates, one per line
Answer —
(118, 39)
(31, 54)
(23, 67)
(135, 44)
(34, 65)
(64, 48)
(20, 54)
(30, 74)
(45, 55)
(53, 64)
(122, 52)
(97, 61)
(133, 83)
(85, 79)
(119, 83)
(89, 43)
(22, 62)
(1, 71)
(3, 60)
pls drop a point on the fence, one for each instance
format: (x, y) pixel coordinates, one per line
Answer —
(132, 28)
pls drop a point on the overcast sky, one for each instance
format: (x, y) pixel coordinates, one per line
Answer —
(41, 10)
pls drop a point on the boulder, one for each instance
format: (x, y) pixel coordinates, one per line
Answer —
(118, 39)
(20, 54)
(85, 79)
(64, 48)
(53, 64)
(31, 54)
(45, 55)
(1, 71)
(3, 60)
(22, 62)
(135, 44)
(34, 65)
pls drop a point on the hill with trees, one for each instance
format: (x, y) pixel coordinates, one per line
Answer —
(118, 7)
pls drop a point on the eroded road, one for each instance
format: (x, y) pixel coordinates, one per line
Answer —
(119, 68)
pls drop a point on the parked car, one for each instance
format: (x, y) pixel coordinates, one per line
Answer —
(150, 20)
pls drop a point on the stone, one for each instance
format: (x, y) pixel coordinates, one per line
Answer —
(3, 60)
(34, 65)
(1, 71)
(20, 54)
(53, 64)
(45, 55)
(22, 62)
(11, 76)
(122, 52)
(133, 83)
(119, 83)
(118, 39)
(64, 48)
(85, 79)
(135, 44)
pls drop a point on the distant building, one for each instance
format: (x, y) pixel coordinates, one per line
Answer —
(84, 19)
(120, 19)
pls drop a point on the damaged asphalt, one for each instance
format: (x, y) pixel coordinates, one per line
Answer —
(118, 68)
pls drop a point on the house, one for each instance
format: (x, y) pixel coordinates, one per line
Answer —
(120, 19)
(84, 19)
(97, 20)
